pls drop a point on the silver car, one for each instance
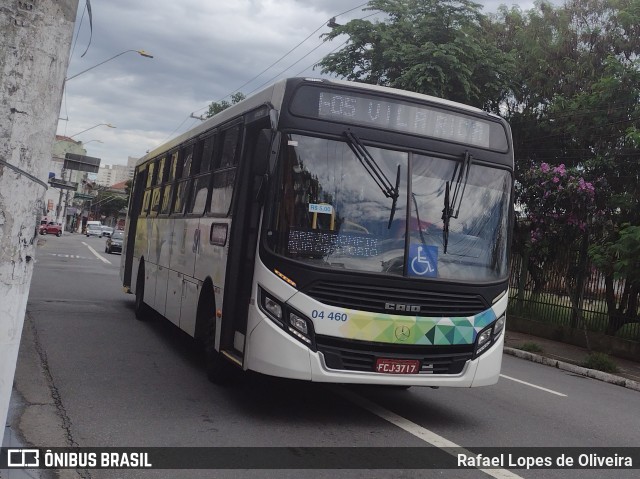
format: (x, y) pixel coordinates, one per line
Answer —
(94, 230)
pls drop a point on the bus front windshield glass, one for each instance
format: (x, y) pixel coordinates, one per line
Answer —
(330, 211)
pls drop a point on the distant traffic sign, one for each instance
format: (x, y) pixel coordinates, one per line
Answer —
(83, 196)
(81, 163)
(62, 184)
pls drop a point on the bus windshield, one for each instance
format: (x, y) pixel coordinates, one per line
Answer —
(329, 212)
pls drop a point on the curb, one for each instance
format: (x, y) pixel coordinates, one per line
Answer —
(572, 368)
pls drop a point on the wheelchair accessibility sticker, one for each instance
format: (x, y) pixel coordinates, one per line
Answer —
(422, 260)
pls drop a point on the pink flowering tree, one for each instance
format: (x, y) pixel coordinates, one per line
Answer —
(556, 208)
(558, 204)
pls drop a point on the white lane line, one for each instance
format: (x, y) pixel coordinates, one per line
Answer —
(420, 432)
(96, 253)
(533, 386)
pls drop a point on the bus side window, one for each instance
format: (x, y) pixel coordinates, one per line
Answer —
(207, 154)
(168, 183)
(200, 188)
(155, 200)
(181, 197)
(224, 177)
(222, 191)
(150, 174)
(146, 200)
(229, 155)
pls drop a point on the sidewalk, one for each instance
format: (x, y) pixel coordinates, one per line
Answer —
(570, 358)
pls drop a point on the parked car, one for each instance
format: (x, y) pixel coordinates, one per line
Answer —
(94, 230)
(114, 242)
(51, 229)
(106, 230)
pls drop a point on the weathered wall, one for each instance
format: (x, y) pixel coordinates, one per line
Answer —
(35, 40)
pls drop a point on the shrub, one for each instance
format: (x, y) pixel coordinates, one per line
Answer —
(601, 362)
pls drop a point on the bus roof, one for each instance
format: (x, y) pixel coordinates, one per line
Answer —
(276, 91)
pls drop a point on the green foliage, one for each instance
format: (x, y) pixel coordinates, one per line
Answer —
(530, 347)
(600, 362)
(436, 47)
(620, 254)
(567, 78)
(217, 107)
(108, 204)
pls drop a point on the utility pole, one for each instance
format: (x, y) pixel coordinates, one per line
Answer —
(35, 41)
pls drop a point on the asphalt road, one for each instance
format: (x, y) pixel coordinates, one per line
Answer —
(91, 375)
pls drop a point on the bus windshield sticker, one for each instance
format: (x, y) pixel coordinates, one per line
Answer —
(323, 208)
(422, 260)
(292, 143)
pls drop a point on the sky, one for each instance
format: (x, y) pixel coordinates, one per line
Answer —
(203, 51)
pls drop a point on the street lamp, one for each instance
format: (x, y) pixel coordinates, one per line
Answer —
(109, 125)
(139, 52)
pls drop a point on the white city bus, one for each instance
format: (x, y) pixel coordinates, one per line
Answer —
(331, 231)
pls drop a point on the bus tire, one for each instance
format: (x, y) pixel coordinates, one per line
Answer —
(141, 309)
(218, 369)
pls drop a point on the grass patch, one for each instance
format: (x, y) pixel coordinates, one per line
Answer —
(530, 347)
(601, 362)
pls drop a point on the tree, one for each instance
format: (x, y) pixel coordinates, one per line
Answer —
(435, 47)
(217, 107)
(575, 101)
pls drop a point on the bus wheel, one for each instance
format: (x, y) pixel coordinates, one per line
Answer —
(141, 309)
(218, 369)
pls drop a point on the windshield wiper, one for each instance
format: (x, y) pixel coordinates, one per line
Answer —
(460, 174)
(375, 172)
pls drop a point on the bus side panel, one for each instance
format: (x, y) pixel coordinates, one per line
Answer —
(141, 246)
(174, 296)
(211, 258)
(159, 251)
(181, 284)
(189, 306)
(183, 246)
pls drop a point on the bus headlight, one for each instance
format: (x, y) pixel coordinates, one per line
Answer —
(299, 327)
(271, 306)
(489, 335)
(296, 324)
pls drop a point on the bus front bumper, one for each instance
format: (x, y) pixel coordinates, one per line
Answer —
(271, 351)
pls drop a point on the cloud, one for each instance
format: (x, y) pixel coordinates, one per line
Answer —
(202, 52)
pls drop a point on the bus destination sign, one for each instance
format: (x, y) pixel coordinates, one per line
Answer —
(399, 115)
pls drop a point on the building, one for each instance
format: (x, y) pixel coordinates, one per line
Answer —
(55, 199)
(111, 174)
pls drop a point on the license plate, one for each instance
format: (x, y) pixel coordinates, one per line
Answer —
(398, 366)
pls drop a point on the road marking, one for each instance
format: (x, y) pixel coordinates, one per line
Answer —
(420, 432)
(96, 253)
(533, 386)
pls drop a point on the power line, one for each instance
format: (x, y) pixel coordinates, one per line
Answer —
(288, 53)
(273, 64)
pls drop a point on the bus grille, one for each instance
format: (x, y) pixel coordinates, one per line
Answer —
(374, 298)
(347, 355)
